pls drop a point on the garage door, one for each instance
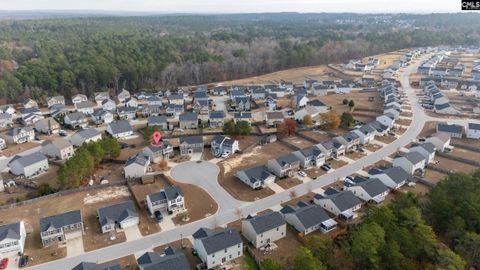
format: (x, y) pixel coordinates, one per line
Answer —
(129, 223)
(73, 235)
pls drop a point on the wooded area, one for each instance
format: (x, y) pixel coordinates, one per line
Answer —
(83, 55)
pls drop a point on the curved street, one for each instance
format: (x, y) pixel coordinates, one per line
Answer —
(229, 207)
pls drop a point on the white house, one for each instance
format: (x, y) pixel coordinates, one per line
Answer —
(12, 239)
(427, 150)
(47, 126)
(79, 98)
(215, 248)
(85, 107)
(20, 135)
(308, 218)
(473, 131)
(76, 120)
(455, 131)
(224, 145)
(264, 229)
(120, 129)
(85, 136)
(368, 190)
(256, 177)
(101, 116)
(394, 177)
(366, 134)
(340, 203)
(109, 105)
(386, 120)
(118, 216)
(136, 166)
(29, 165)
(123, 95)
(411, 162)
(441, 141)
(170, 199)
(308, 110)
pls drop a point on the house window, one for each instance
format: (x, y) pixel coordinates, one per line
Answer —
(225, 250)
(277, 229)
(213, 256)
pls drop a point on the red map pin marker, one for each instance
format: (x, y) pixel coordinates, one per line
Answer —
(156, 136)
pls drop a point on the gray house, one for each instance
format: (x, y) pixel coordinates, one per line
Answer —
(307, 218)
(118, 216)
(455, 131)
(169, 199)
(61, 228)
(394, 177)
(215, 248)
(188, 120)
(284, 166)
(242, 103)
(368, 190)
(216, 119)
(173, 259)
(264, 229)
(340, 203)
(191, 144)
(160, 121)
(310, 157)
(256, 177)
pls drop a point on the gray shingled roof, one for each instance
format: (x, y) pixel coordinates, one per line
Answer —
(474, 126)
(442, 127)
(188, 116)
(139, 159)
(266, 222)
(94, 266)
(344, 200)
(217, 115)
(242, 115)
(88, 133)
(76, 116)
(256, 174)
(29, 159)
(156, 120)
(116, 212)
(214, 241)
(414, 157)
(60, 220)
(373, 186)
(311, 215)
(397, 174)
(172, 260)
(120, 126)
(10, 231)
(287, 159)
(173, 192)
(191, 139)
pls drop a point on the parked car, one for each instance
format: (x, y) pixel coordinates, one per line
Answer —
(62, 133)
(158, 216)
(23, 261)
(225, 155)
(326, 168)
(348, 179)
(302, 173)
(4, 263)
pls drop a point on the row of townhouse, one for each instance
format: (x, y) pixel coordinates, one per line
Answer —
(441, 103)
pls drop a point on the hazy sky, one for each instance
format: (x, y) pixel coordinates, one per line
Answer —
(238, 6)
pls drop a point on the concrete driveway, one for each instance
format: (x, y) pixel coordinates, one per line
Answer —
(132, 233)
(75, 247)
(204, 174)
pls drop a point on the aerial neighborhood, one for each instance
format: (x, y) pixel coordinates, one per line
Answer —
(210, 176)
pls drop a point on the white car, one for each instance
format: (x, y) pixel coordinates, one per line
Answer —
(302, 173)
(225, 155)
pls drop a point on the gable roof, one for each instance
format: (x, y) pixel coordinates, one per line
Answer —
(173, 259)
(473, 126)
(266, 222)
(414, 157)
(94, 266)
(344, 200)
(397, 174)
(372, 186)
(10, 231)
(214, 241)
(310, 215)
(450, 128)
(188, 116)
(191, 139)
(60, 220)
(216, 115)
(256, 174)
(87, 133)
(120, 126)
(116, 212)
(29, 159)
(139, 159)
(156, 120)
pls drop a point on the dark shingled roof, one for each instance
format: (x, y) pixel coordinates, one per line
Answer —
(344, 200)
(443, 127)
(266, 222)
(60, 220)
(256, 174)
(311, 215)
(214, 241)
(116, 212)
(94, 266)
(172, 260)
(191, 139)
(120, 126)
(10, 231)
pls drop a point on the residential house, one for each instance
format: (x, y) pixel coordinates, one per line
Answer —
(444, 108)
(343, 204)
(55, 100)
(157, 153)
(100, 97)
(202, 109)
(313, 112)
(29, 165)
(264, 229)
(85, 136)
(256, 177)
(127, 113)
(284, 166)
(220, 91)
(473, 131)
(242, 116)
(101, 116)
(221, 145)
(176, 99)
(455, 131)
(47, 126)
(123, 96)
(309, 83)
(279, 92)
(6, 120)
(258, 92)
(173, 259)
(58, 149)
(366, 134)
(61, 228)
(109, 105)
(426, 149)
(334, 148)
(238, 92)
(317, 104)
(191, 144)
(393, 178)
(120, 129)
(188, 120)
(380, 129)
(271, 102)
(136, 166)
(310, 157)
(393, 111)
(353, 141)
(272, 119)
(30, 103)
(154, 100)
(93, 266)
(441, 141)
(308, 218)
(12, 239)
(131, 102)
(288, 85)
(412, 162)
(174, 110)
(7, 108)
(216, 119)
(386, 120)
(300, 101)
(343, 89)
(79, 98)
(3, 145)
(159, 121)
(76, 120)
(117, 216)
(216, 248)
(322, 90)
(20, 135)
(242, 104)
(85, 107)
(200, 94)
(169, 199)
(368, 190)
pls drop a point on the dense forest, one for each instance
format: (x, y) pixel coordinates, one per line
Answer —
(437, 231)
(87, 54)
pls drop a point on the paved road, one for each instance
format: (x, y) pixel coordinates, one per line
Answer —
(229, 212)
(204, 175)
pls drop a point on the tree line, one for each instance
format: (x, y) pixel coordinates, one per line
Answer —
(86, 158)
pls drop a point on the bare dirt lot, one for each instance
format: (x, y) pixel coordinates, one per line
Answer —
(385, 139)
(317, 135)
(315, 172)
(467, 154)
(87, 201)
(453, 166)
(464, 141)
(13, 149)
(355, 155)
(433, 177)
(298, 142)
(288, 182)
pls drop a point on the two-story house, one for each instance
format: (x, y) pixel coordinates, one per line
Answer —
(60, 149)
(12, 239)
(55, 100)
(284, 166)
(426, 149)
(61, 228)
(76, 120)
(47, 126)
(136, 166)
(369, 190)
(101, 116)
(120, 129)
(264, 229)
(158, 121)
(170, 199)
(118, 216)
(308, 218)
(412, 162)
(158, 152)
(310, 157)
(216, 119)
(20, 135)
(221, 145)
(340, 203)
(29, 165)
(109, 105)
(79, 98)
(191, 144)
(188, 120)
(393, 178)
(215, 248)
(173, 259)
(85, 136)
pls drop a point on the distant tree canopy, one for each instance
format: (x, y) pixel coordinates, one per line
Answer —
(83, 55)
(241, 128)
